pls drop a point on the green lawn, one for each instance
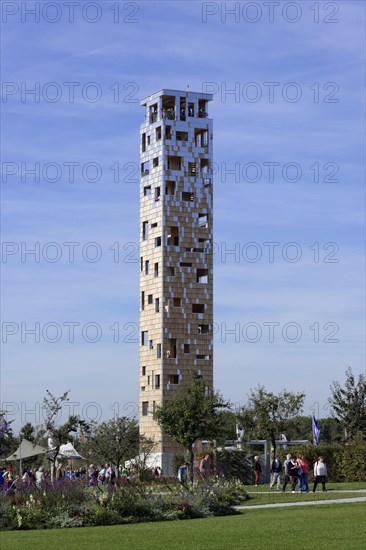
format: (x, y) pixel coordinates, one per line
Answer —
(338, 526)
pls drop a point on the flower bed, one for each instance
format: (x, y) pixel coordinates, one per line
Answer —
(72, 504)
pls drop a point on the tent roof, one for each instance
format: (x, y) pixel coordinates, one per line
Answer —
(26, 449)
(69, 451)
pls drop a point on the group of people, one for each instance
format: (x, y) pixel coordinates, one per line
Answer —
(10, 482)
(204, 469)
(296, 472)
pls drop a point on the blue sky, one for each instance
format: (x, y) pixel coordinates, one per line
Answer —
(311, 127)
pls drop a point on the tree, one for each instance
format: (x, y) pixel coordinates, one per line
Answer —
(58, 434)
(7, 441)
(267, 415)
(192, 414)
(348, 404)
(114, 441)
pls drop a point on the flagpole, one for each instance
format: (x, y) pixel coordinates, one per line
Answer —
(20, 458)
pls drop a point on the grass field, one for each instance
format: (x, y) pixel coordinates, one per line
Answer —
(338, 527)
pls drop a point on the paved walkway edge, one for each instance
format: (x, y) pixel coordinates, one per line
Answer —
(308, 502)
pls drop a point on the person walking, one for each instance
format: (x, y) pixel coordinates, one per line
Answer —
(320, 474)
(287, 472)
(183, 472)
(294, 473)
(205, 468)
(40, 477)
(305, 474)
(257, 469)
(276, 470)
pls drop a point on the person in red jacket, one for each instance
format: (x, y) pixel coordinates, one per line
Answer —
(257, 469)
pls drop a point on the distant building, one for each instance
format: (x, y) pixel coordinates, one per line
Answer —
(176, 264)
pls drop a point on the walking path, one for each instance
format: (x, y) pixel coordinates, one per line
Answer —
(289, 492)
(304, 503)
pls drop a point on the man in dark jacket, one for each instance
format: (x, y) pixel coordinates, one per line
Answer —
(276, 470)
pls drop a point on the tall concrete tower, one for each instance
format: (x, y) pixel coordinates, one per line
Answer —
(176, 264)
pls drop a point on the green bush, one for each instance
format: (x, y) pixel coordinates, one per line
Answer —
(232, 464)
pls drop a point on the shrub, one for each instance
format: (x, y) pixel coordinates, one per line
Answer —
(232, 464)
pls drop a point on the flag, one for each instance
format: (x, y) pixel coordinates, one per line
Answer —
(316, 431)
(5, 426)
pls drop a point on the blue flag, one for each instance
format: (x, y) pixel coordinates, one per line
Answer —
(316, 431)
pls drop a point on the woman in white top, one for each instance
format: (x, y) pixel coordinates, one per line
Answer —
(39, 477)
(320, 474)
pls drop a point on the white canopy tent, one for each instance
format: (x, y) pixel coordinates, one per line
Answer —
(68, 451)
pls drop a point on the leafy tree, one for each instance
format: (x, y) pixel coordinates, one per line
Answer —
(7, 440)
(192, 414)
(114, 441)
(27, 432)
(58, 434)
(299, 427)
(348, 404)
(267, 415)
(228, 422)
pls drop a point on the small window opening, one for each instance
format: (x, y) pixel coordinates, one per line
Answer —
(172, 348)
(145, 229)
(170, 187)
(202, 276)
(192, 168)
(187, 196)
(203, 220)
(173, 236)
(182, 136)
(144, 168)
(153, 113)
(174, 163)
